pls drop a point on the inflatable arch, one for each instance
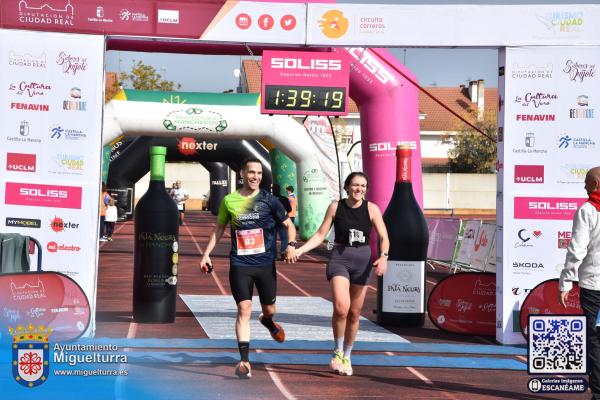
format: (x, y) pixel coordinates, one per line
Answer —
(218, 121)
(133, 162)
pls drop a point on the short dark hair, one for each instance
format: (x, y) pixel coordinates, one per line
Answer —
(290, 188)
(247, 160)
(352, 176)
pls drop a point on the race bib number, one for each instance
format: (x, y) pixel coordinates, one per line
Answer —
(250, 241)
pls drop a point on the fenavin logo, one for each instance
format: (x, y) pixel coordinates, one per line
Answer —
(30, 354)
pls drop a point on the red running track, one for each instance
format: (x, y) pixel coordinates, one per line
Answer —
(306, 278)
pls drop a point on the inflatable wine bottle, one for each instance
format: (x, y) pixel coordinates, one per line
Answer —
(401, 290)
(155, 254)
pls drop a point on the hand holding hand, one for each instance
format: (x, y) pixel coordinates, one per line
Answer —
(291, 255)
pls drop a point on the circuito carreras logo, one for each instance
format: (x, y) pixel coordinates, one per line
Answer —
(30, 354)
(333, 24)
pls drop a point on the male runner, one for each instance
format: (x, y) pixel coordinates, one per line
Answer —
(253, 214)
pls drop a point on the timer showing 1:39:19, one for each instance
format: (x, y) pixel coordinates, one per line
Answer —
(305, 98)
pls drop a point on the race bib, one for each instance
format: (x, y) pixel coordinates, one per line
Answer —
(250, 241)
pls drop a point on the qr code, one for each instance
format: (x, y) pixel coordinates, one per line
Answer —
(557, 344)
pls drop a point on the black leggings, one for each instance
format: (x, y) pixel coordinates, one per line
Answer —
(243, 279)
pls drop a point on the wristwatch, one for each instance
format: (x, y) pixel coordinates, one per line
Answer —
(383, 254)
(293, 243)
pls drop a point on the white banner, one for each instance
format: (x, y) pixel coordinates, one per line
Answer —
(257, 22)
(483, 245)
(550, 139)
(379, 25)
(467, 244)
(52, 99)
(321, 134)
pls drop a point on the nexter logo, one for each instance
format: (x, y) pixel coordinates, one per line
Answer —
(389, 146)
(529, 174)
(298, 63)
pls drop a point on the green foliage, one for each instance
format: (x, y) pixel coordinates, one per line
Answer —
(472, 152)
(145, 77)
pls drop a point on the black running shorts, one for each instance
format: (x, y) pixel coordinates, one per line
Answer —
(243, 279)
(353, 263)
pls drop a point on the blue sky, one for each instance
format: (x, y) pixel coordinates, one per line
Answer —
(440, 67)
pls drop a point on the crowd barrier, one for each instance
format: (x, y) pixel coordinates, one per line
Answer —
(462, 244)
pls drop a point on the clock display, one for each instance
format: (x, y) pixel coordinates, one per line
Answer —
(305, 99)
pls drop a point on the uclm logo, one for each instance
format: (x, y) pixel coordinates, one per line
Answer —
(29, 194)
(20, 162)
(298, 63)
(529, 174)
(549, 208)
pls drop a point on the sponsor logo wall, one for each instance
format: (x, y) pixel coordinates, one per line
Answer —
(548, 144)
(52, 98)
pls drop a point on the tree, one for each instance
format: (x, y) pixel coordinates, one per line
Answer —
(471, 151)
(145, 77)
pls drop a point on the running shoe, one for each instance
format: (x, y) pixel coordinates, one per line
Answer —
(243, 370)
(278, 334)
(336, 361)
(346, 367)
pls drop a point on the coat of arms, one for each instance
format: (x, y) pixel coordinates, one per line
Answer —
(30, 354)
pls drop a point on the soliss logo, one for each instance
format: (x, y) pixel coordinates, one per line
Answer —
(297, 63)
(388, 146)
(60, 194)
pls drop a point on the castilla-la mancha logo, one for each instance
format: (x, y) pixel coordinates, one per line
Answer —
(30, 354)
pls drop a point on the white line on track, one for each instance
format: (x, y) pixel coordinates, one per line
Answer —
(214, 273)
(277, 381)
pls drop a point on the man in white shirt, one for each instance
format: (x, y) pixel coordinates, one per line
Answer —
(180, 195)
(583, 260)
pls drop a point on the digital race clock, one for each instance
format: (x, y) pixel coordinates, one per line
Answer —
(305, 98)
(304, 83)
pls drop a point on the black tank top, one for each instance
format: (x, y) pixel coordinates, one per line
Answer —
(352, 225)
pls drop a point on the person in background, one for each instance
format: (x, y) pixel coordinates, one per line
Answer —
(104, 198)
(180, 195)
(293, 202)
(110, 218)
(252, 213)
(349, 267)
(583, 260)
(282, 230)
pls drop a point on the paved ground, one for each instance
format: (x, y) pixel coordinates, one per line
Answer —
(186, 370)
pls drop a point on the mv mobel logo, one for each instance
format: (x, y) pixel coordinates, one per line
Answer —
(529, 174)
(75, 103)
(20, 162)
(30, 354)
(333, 24)
(35, 195)
(546, 208)
(586, 112)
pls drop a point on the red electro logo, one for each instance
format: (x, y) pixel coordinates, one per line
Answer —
(53, 247)
(20, 162)
(529, 174)
(29, 194)
(548, 208)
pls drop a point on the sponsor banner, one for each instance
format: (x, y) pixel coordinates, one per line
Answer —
(547, 208)
(448, 25)
(549, 145)
(52, 116)
(321, 133)
(44, 298)
(467, 243)
(443, 234)
(543, 299)
(464, 303)
(29, 194)
(482, 248)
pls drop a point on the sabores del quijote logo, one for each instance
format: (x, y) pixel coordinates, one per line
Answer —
(30, 354)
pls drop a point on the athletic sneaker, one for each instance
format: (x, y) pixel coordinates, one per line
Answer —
(346, 367)
(336, 361)
(243, 370)
(278, 334)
